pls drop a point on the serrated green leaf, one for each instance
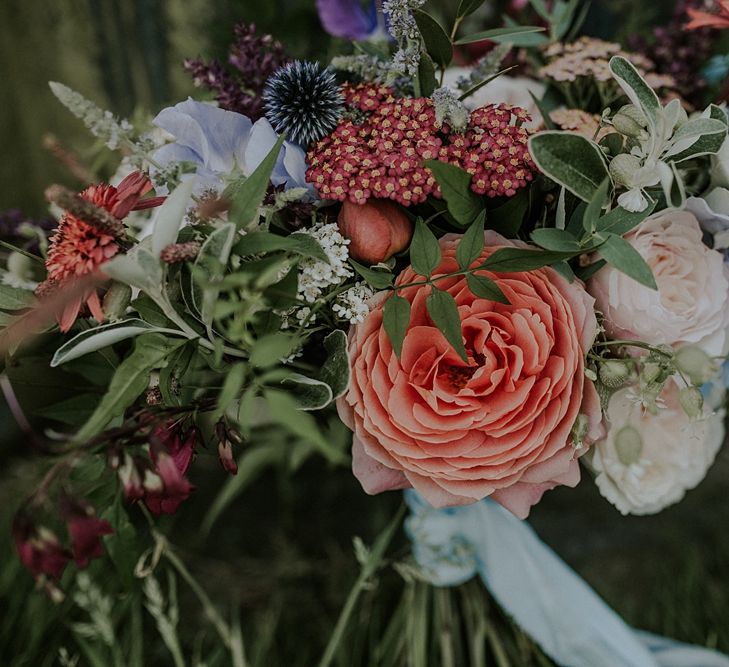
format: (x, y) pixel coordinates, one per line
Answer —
(472, 244)
(455, 185)
(555, 239)
(437, 42)
(499, 35)
(248, 197)
(570, 160)
(378, 279)
(624, 257)
(425, 252)
(485, 288)
(396, 320)
(443, 311)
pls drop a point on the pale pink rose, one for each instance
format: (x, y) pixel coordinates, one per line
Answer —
(691, 305)
(496, 426)
(376, 230)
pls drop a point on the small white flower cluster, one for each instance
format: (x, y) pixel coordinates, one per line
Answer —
(352, 304)
(102, 124)
(449, 109)
(315, 276)
(404, 28)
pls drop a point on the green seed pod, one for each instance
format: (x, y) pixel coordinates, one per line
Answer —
(692, 402)
(693, 362)
(628, 445)
(623, 168)
(614, 373)
(630, 121)
(650, 372)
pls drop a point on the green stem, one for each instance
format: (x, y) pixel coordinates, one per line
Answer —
(368, 569)
(633, 343)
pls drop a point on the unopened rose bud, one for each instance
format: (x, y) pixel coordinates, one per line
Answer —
(614, 373)
(628, 445)
(695, 363)
(623, 168)
(376, 230)
(692, 402)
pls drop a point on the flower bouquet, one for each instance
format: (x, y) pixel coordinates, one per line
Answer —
(471, 285)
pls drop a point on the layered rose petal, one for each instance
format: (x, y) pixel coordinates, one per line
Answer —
(498, 425)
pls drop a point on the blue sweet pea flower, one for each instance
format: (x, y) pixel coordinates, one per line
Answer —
(349, 19)
(223, 143)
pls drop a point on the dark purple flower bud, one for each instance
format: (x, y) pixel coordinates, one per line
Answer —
(85, 530)
(39, 549)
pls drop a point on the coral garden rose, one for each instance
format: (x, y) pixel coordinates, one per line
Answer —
(499, 425)
(691, 305)
(648, 461)
(376, 230)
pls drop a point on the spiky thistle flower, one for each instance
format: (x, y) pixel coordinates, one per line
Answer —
(304, 101)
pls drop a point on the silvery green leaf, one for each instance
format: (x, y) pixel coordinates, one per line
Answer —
(336, 370)
(211, 263)
(138, 268)
(561, 219)
(311, 394)
(169, 216)
(672, 183)
(637, 90)
(673, 114)
(99, 337)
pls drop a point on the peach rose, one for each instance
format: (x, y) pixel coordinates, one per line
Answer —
(496, 426)
(376, 230)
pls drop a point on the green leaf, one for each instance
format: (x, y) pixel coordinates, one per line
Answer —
(637, 90)
(543, 111)
(336, 370)
(259, 243)
(102, 336)
(572, 161)
(378, 279)
(311, 394)
(425, 83)
(13, 298)
(443, 311)
(472, 243)
(168, 218)
(555, 239)
(514, 260)
(232, 387)
(270, 349)
(437, 42)
(624, 257)
(129, 382)
(620, 222)
(706, 145)
(396, 320)
(466, 7)
(209, 268)
(248, 197)
(499, 35)
(455, 185)
(485, 288)
(484, 82)
(285, 412)
(594, 208)
(508, 218)
(425, 252)
(73, 411)
(139, 268)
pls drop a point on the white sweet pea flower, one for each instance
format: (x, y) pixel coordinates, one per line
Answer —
(649, 460)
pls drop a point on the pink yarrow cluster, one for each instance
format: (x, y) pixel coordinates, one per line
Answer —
(378, 150)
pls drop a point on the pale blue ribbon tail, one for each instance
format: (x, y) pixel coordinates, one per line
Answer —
(546, 598)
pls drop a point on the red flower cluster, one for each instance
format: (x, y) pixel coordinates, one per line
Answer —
(378, 150)
(42, 552)
(79, 247)
(160, 481)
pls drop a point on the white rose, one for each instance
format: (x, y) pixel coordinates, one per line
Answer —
(691, 305)
(672, 454)
(712, 212)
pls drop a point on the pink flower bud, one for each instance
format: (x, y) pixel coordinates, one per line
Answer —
(377, 230)
(227, 460)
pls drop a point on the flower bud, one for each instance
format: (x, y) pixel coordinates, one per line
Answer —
(650, 372)
(225, 453)
(695, 363)
(692, 402)
(628, 445)
(629, 121)
(614, 373)
(623, 168)
(376, 230)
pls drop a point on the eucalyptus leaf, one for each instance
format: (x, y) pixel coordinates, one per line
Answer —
(103, 336)
(624, 257)
(396, 320)
(443, 311)
(425, 252)
(169, 217)
(455, 185)
(437, 42)
(570, 160)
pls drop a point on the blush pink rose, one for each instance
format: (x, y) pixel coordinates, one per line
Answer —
(499, 425)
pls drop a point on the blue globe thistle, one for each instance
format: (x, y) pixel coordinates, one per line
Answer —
(304, 101)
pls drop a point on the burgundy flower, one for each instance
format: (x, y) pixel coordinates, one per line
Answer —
(225, 454)
(85, 530)
(39, 549)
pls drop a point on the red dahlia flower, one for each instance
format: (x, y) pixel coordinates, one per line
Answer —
(79, 247)
(701, 19)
